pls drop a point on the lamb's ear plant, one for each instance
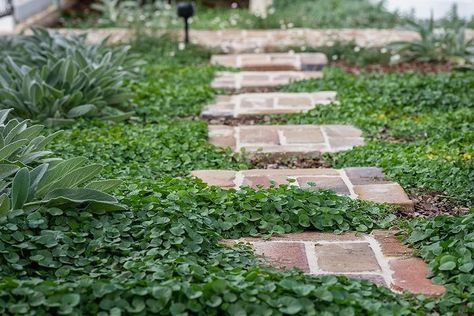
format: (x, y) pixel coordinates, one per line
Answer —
(30, 177)
(55, 79)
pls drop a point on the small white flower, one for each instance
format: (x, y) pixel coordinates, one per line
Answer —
(271, 10)
(234, 5)
(303, 48)
(357, 49)
(383, 50)
(395, 58)
(181, 46)
(334, 57)
(172, 54)
(290, 25)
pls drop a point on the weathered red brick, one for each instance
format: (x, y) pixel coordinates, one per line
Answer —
(410, 274)
(366, 175)
(346, 257)
(221, 178)
(332, 183)
(283, 255)
(391, 193)
(391, 246)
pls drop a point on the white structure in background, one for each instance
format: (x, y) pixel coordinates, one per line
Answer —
(422, 8)
(25, 10)
(259, 7)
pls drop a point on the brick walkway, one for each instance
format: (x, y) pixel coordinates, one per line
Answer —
(378, 257)
(249, 81)
(365, 183)
(272, 62)
(286, 138)
(255, 41)
(252, 104)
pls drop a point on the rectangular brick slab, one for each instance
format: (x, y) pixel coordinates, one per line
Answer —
(251, 104)
(359, 256)
(248, 81)
(283, 139)
(273, 61)
(340, 180)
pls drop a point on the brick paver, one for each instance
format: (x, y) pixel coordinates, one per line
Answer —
(251, 104)
(286, 138)
(249, 81)
(340, 180)
(273, 61)
(361, 256)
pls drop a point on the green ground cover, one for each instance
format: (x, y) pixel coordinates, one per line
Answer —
(283, 14)
(162, 255)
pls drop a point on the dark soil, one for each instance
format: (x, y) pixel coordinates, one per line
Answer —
(424, 67)
(288, 161)
(429, 204)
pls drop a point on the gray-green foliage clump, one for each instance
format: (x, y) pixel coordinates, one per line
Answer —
(31, 178)
(54, 79)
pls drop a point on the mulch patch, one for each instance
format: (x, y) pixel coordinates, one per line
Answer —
(429, 204)
(288, 161)
(424, 67)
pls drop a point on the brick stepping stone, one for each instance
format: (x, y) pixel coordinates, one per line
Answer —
(273, 61)
(365, 183)
(255, 80)
(286, 138)
(252, 104)
(378, 257)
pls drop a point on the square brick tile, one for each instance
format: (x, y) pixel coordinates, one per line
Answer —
(256, 102)
(390, 245)
(366, 175)
(331, 183)
(287, 255)
(342, 131)
(410, 274)
(295, 101)
(346, 257)
(220, 178)
(344, 143)
(267, 135)
(391, 193)
(256, 181)
(303, 134)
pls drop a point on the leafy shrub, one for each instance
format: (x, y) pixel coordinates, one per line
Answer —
(29, 178)
(447, 44)
(50, 78)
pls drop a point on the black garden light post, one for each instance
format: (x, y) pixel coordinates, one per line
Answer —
(185, 11)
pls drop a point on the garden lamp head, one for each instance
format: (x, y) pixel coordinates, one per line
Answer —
(185, 11)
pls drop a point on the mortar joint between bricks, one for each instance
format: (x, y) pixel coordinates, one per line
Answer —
(381, 259)
(326, 138)
(238, 146)
(348, 183)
